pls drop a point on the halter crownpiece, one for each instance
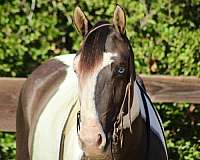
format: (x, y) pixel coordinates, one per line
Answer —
(102, 25)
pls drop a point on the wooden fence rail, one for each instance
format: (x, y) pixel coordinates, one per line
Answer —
(165, 89)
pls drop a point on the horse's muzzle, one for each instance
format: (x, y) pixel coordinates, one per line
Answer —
(92, 139)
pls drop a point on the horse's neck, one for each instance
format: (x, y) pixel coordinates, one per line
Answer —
(147, 131)
(134, 144)
(134, 110)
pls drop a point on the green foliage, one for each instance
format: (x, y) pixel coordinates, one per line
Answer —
(165, 40)
(7, 146)
(182, 128)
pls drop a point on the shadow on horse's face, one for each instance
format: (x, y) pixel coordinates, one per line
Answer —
(103, 70)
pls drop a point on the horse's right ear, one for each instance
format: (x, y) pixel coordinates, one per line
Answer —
(81, 22)
(119, 19)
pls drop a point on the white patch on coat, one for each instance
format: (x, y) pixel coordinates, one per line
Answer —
(154, 119)
(71, 143)
(135, 109)
(46, 143)
(89, 114)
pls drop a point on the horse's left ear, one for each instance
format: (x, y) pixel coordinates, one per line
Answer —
(119, 19)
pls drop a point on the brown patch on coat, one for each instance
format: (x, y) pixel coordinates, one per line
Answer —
(40, 86)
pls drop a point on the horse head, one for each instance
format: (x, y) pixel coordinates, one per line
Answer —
(104, 67)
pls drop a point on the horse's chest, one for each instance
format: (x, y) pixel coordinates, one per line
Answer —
(58, 118)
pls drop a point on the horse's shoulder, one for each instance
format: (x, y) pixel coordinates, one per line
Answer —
(40, 87)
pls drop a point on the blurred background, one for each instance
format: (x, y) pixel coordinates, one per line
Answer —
(165, 36)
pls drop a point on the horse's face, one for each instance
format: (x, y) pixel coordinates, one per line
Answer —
(103, 71)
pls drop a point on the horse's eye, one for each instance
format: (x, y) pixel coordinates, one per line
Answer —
(121, 70)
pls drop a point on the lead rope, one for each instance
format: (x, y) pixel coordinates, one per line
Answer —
(117, 137)
(129, 107)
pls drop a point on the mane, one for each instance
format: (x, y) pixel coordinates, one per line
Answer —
(93, 47)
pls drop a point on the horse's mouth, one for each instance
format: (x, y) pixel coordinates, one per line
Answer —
(94, 153)
(100, 157)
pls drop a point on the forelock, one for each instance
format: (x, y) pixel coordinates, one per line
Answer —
(93, 48)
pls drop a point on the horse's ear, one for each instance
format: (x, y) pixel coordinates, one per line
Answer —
(119, 19)
(81, 22)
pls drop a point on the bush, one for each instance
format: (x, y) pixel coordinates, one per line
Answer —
(182, 127)
(165, 36)
(7, 146)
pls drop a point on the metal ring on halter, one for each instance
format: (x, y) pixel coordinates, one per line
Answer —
(78, 121)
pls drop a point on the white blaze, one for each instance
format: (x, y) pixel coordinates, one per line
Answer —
(89, 115)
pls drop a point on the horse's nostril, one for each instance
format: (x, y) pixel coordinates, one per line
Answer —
(99, 140)
(93, 138)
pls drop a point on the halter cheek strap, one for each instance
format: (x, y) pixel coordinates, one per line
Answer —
(119, 124)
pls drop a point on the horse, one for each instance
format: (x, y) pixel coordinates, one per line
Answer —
(90, 105)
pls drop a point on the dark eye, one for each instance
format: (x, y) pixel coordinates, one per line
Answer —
(121, 70)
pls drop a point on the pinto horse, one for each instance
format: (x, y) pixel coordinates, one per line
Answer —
(90, 105)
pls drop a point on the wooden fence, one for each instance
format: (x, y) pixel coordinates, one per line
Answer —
(165, 89)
